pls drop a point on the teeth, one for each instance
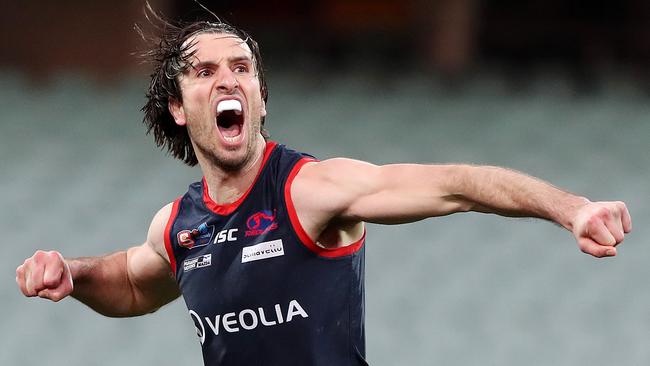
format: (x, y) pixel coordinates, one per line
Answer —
(229, 105)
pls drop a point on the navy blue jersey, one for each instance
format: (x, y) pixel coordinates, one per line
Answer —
(259, 290)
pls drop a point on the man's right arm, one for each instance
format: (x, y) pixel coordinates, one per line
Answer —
(127, 283)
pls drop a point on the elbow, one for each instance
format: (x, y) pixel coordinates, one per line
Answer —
(458, 203)
(462, 185)
(130, 313)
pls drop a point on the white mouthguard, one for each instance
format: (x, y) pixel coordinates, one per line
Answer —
(229, 105)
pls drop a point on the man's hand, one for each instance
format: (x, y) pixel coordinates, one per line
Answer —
(600, 226)
(45, 274)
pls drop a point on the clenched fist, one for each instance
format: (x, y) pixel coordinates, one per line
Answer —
(45, 274)
(600, 226)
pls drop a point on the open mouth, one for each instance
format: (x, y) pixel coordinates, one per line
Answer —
(230, 119)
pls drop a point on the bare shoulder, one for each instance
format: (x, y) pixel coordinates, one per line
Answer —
(323, 191)
(334, 170)
(336, 179)
(156, 234)
(150, 260)
(149, 267)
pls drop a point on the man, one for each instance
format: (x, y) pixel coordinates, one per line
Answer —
(267, 250)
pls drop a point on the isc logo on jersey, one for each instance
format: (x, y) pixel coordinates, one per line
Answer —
(225, 235)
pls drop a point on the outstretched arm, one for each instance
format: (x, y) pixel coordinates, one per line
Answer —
(355, 191)
(127, 283)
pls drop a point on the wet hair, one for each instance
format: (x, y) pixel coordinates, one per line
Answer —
(169, 53)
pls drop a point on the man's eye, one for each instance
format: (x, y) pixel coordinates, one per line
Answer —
(241, 69)
(204, 73)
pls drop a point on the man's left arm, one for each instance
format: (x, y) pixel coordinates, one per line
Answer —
(355, 191)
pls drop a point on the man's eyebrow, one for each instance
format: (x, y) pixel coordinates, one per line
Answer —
(233, 59)
(203, 64)
(239, 59)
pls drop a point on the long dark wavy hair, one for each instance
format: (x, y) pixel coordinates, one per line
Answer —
(169, 53)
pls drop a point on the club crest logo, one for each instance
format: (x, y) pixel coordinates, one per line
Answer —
(198, 237)
(261, 223)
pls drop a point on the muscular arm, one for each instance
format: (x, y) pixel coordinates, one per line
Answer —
(354, 191)
(127, 283)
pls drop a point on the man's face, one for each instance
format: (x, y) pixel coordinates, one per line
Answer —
(222, 105)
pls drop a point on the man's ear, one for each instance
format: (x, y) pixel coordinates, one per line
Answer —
(263, 109)
(177, 111)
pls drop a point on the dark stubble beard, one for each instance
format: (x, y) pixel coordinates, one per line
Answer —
(222, 162)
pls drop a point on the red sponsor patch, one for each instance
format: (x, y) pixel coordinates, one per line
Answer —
(185, 239)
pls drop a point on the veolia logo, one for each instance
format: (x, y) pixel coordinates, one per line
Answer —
(247, 319)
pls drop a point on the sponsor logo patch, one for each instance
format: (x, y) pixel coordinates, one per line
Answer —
(265, 250)
(198, 262)
(198, 237)
(247, 319)
(261, 223)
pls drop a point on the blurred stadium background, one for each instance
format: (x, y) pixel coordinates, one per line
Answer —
(558, 89)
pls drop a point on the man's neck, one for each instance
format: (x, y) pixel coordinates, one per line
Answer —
(225, 187)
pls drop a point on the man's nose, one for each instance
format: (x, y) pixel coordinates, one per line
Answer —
(226, 81)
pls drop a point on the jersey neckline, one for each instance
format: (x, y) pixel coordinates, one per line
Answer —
(229, 208)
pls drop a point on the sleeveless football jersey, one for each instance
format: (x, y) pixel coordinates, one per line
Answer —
(258, 289)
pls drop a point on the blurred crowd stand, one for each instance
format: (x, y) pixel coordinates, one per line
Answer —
(443, 37)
